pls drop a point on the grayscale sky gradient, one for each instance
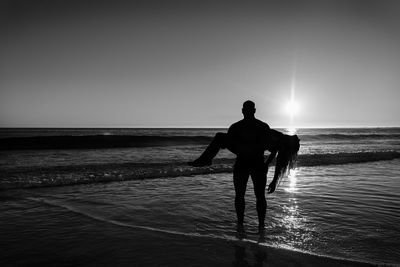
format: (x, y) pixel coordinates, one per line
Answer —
(193, 63)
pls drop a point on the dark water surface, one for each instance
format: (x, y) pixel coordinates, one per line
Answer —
(330, 205)
(347, 211)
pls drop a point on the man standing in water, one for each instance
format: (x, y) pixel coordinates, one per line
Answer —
(247, 139)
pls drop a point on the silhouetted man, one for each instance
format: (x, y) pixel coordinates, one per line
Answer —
(246, 138)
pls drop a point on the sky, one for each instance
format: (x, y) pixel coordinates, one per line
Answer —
(193, 63)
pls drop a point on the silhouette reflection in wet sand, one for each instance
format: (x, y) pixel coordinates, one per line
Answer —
(246, 253)
(248, 139)
(244, 257)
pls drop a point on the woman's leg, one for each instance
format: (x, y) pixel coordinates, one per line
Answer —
(220, 141)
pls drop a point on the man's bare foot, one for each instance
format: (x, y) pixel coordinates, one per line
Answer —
(240, 232)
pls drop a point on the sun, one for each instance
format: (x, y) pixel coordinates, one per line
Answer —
(292, 108)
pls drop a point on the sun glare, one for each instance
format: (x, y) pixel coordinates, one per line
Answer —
(292, 108)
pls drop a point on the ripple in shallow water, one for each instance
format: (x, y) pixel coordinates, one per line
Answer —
(342, 211)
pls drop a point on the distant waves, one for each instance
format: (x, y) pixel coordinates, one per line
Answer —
(98, 141)
(120, 141)
(345, 158)
(82, 174)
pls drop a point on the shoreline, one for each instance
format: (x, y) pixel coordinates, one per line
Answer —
(55, 221)
(77, 240)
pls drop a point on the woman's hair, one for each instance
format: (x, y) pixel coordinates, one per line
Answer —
(286, 160)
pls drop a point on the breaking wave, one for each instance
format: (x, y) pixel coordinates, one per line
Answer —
(98, 141)
(118, 141)
(84, 174)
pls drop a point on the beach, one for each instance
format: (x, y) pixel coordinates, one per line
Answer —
(47, 235)
(142, 205)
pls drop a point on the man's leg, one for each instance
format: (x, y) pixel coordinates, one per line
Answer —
(240, 182)
(219, 141)
(260, 182)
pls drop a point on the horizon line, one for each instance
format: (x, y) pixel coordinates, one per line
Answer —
(187, 127)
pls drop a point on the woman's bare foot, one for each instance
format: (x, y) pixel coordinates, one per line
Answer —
(199, 163)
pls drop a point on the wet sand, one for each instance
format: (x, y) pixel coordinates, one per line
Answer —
(52, 236)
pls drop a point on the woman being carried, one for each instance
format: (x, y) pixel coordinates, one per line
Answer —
(283, 147)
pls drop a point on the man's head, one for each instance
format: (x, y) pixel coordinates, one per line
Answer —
(249, 108)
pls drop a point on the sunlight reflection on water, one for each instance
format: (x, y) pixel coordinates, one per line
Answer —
(292, 177)
(291, 130)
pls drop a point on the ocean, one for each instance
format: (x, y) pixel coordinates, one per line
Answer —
(341, 202)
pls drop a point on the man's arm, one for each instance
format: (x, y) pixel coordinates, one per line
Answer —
(272, 185)
(270, 158)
